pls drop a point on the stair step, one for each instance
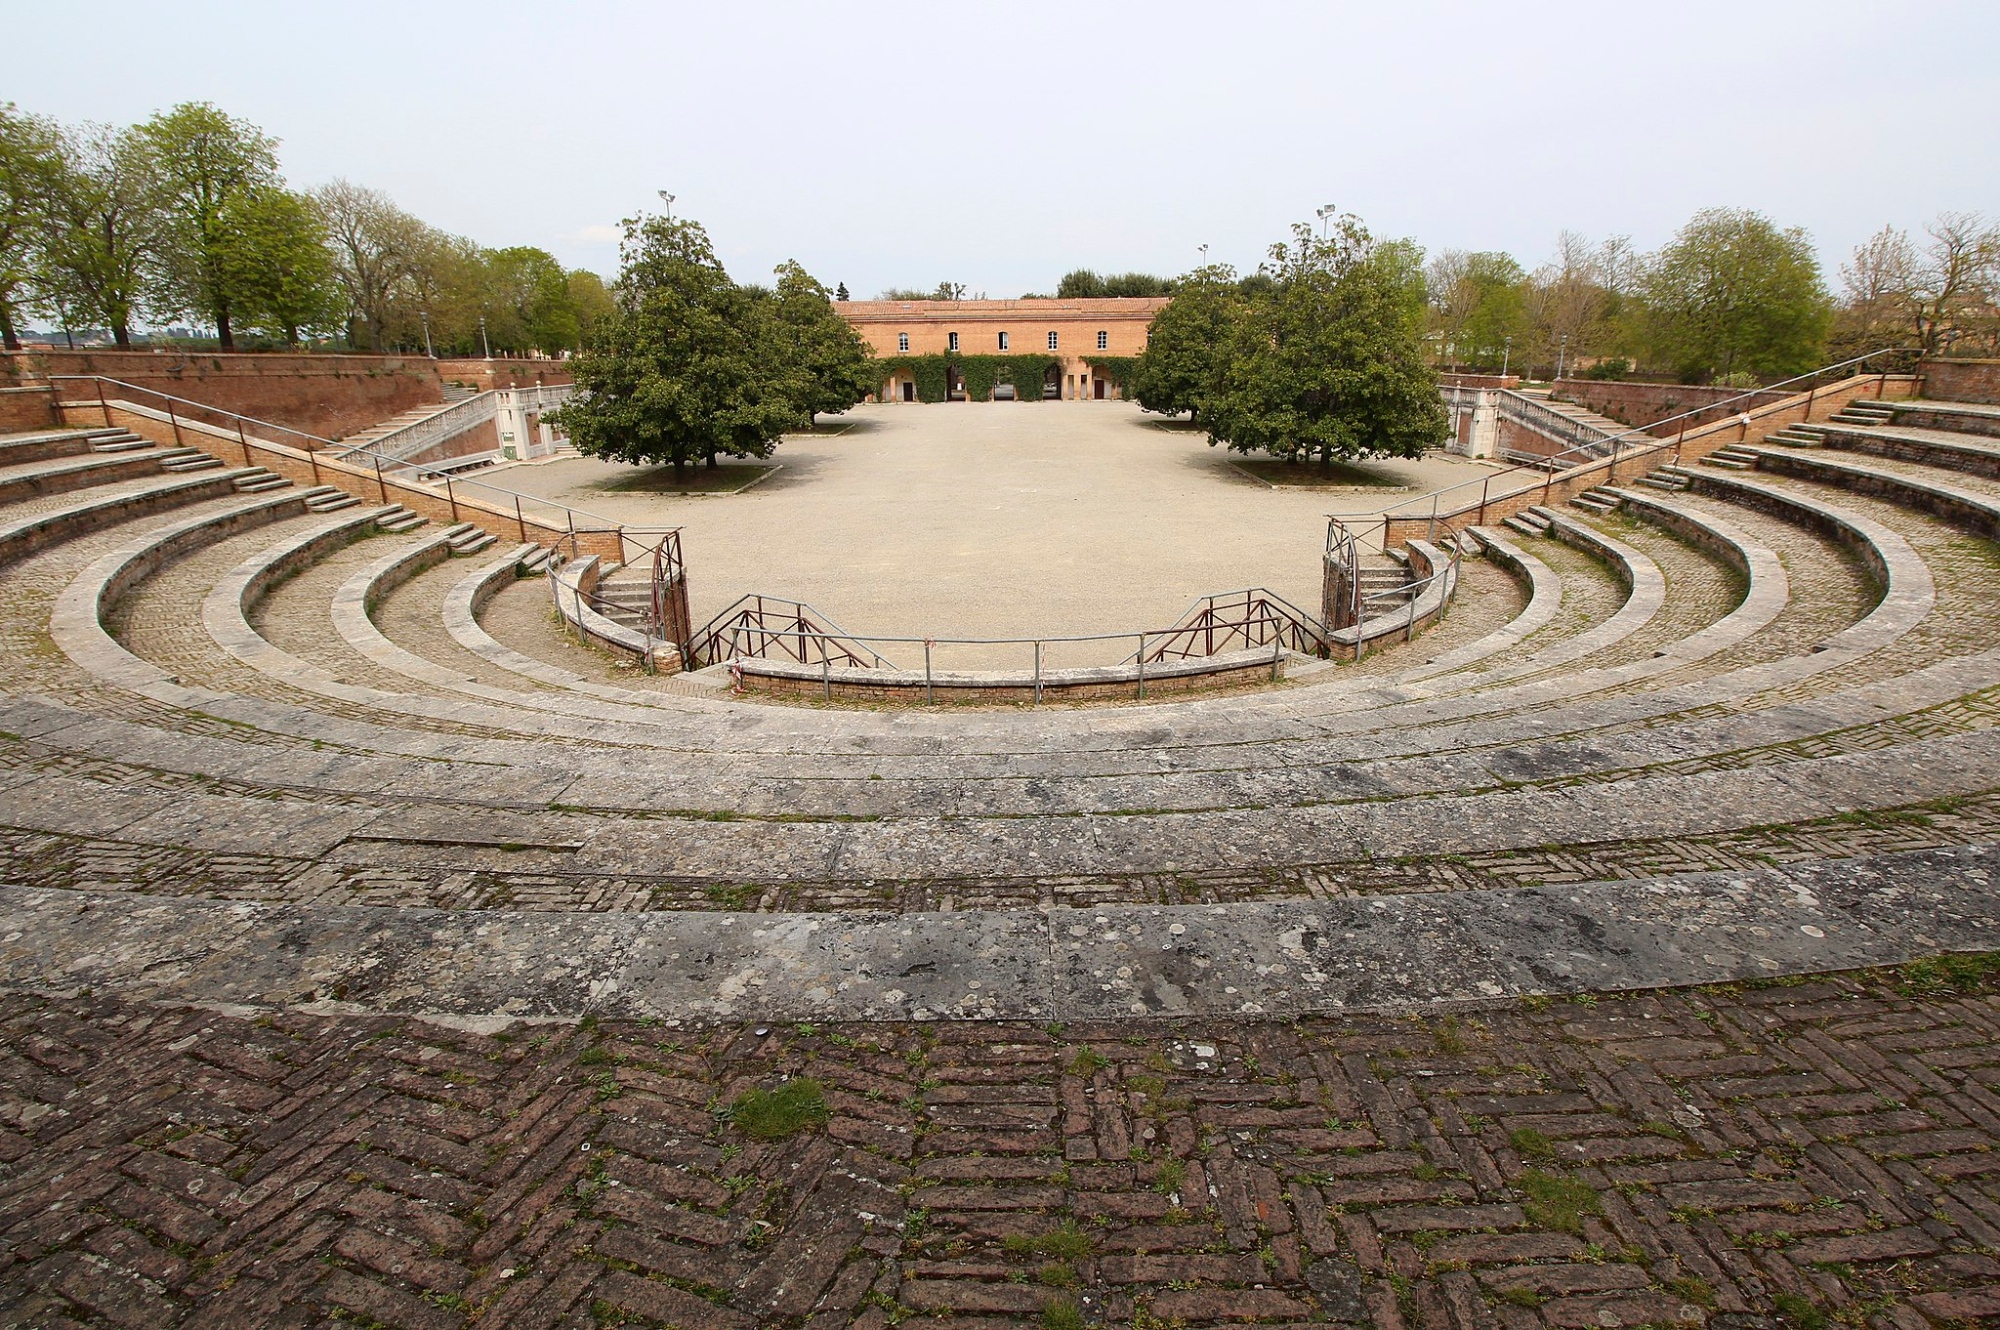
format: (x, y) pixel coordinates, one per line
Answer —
(260, 484)
(399, 519)
(1591, 503)
(203, 462)
(1728, 463)
(126, 445)
(1671, 484)
(536, 561)
(1525, 525)
(331, 503)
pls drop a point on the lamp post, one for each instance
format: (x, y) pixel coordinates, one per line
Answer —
(1323, 212)
(483, 343)
(425, 315)
(666, 199)
(1562, 354)
(1204, 254)
(1506, 354)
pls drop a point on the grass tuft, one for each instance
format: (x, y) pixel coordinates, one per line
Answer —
(1558, 1202)
(770, 1115)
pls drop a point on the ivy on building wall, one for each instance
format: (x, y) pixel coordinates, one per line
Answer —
(1118, 369)
(980, 373)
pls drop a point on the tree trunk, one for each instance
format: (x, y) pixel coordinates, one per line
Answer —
(8, 338)
(224, 339)
(122, 335)
(680, 469)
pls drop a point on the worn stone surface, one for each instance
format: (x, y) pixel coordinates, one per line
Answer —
(1748, 1155)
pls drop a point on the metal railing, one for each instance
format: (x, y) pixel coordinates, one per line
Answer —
(1239, 621)
(363, 468)
(1584, 439)
(1470, 496)
(761, 627)
(456, 418)
(1343, 548)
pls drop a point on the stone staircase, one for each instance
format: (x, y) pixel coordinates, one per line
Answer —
(116, 441)
(397, 519)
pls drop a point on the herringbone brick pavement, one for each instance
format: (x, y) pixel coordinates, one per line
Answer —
(1813, 1153)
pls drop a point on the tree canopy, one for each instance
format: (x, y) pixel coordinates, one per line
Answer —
(1329, 363)
(1181, 367)
(1731, 293)
(688, 364)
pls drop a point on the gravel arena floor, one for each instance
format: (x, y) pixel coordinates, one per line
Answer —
(994, 519)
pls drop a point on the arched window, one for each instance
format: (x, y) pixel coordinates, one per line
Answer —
(1103, 340)
(951, 341)
(903, 342)
(1003, 341)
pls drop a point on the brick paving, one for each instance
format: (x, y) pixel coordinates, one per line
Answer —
(1807, 1153)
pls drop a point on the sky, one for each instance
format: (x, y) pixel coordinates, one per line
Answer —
(907, 144)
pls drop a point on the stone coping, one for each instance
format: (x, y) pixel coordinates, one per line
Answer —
(578, 578)
(1977, 513)
(25, 536)
(1126, 962)
(1544, 603)
(77, 622)
(853, 680)
(1922, 446)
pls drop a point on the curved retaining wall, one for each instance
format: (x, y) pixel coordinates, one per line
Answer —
(1231, 669)
(37, 533)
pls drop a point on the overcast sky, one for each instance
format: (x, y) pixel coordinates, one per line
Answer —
(1000, 146)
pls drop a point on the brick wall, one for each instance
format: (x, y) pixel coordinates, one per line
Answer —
(328, 395)
(24, 409)
(1479, 380)
(486, 375)
(1961, 380)
(481, 438)
(1644, 404)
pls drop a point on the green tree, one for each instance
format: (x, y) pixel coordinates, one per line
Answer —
(1731, 293)
(526, 299)
(101, 232)
(838, 370)
(1084, 284)
(276, 262)
(590, 302)
(1181, 366)
(376, 250)
(1476, 305)
(689, 365)
(204, 162)
(1331, 363)
(29, 160)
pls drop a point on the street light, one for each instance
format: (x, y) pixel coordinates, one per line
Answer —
(667, 199)
(1506, 353)
(425, 315)
(1562, 352)
(484, 344)
(1323, 213)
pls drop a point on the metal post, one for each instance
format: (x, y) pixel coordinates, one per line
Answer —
(105, 406)
(1038, 673)
(382, 488)
(519, 520)
(1277, 656)
(825, 672)
(312, 460)
(243, 439)
(1142, 667)
(452, 500)
(1486, 485)
(174, 421)
(929, 695)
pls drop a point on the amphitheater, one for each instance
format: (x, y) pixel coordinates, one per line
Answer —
(369, 962)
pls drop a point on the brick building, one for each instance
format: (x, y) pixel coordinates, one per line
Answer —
(1069, 332)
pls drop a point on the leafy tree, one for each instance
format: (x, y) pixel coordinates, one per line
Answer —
(204, 162)
(840, 293)
(1476, 305)
(688, 366)
(527, 298)
(376, 249)
(1733, 293)
(1181, 366)
(1330, 364)
(589, 302)
(1084, 284)
(29, 151)
(837, 366)
(102, 232)
(275, 260)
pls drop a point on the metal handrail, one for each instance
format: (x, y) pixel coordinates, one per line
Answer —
(1617, 441)
(431, 475)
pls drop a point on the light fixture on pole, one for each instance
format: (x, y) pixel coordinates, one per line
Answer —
(1324, 212)
(1204, 254)
(1562, 354)
(484, 344)
(667, 199)
(1506, 353)
(425, 315)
